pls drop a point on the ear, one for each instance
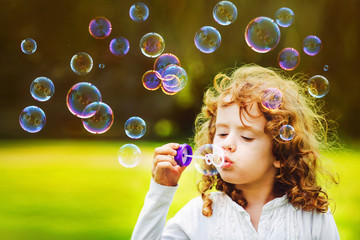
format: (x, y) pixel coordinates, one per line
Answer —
(277, 163)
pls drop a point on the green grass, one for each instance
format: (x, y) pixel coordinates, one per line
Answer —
(78, 190)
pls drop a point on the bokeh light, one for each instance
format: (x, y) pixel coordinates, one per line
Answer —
(209, 159)
(272, 99)
(287, 132)
(165, 60)
(318, 86)
(42, 89)
(289, 59)
(119, 46)
(32, 119)
(284, 17)
(135, 127)
(129, 155)
(100, 27)
(28, 46)
(207, 39)
(81, 63)
(101, 121)
(312, 45)
(152, 45)
(225, 12)
(151, 80)
(139, 12)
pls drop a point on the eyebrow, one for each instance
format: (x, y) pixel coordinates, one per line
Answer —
(249, 128)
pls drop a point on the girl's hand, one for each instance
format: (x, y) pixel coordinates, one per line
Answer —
(165, 170)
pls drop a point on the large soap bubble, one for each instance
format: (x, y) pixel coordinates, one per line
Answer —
(209, 159)
(135, 127)
(32, 119)
(225, 12)
(28, 46)
(129, 155)
(100, 27)
(81, 63)
(284, 17)
(152, 45)
(207, 39)
(318, 86)
(139, 12)
(101, 121)
(42, 89)
(289, 59)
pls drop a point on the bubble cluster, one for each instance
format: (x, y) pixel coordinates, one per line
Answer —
(99, 122)
(284, 17)
(152, 44)
(42, 89)
(289, 59)
(318, 86)
(287, 132)
(225, 12)
(81, 95)
(119, 46)
(100, 27)
(81, 63)
(207, 39)
(151, 80)
(139, 12)
(28, 46)
(262, 34)
(32, 119)
(165, 60)
(135, 127)
(129, 155)
(272, 99)
(209, 159)
(312, 45)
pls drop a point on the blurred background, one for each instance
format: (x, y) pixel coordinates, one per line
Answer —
(64, 182)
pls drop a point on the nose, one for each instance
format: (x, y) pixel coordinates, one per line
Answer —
(229, 144)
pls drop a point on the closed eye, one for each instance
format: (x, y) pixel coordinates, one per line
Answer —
(222, 134)
(247, 138)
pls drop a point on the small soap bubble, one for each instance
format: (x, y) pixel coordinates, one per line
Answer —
(42, 89)
(318, 86)
(326, 68)
(81, 63)
(119, 46)
(287, 132)
(209, 159)
(81, 95)
(151, 80)
(32, 119)
(101, 65)
(312, 45)
(165, 60)
(135, 127)
(152, 45)
(28, 46)
(225, 12)
(139, 12)
(100, 27)
(207, 39)
(99, 122)
(284, 17)
(174, 78)
(289, 59)
(129, 155)
(262, 34)
(272, 99)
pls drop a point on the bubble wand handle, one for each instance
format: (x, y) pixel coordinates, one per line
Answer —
(183, 156)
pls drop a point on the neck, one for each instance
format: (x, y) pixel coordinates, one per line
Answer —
(257, 195)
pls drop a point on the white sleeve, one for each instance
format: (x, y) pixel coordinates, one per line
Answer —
(324, 227)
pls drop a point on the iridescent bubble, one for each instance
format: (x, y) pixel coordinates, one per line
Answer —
(42, 89)
(100, 27)
(81, 63)
(209, 159)
(312, 45)
(174, 78)
(262, 34)
(139, 12)
(287, 132)
(165, 60)
(135, 127)
(289, 59)
(129, 155)
(151, 80)
(326, 68)
(272, 99)
(318, 86)
(101, 65)
(28, 46)
(225, 12)
(32, 119)
(81, 95)
(119, 46)
(207, 39)
(284, 17)
(152, 45)
(101, 121)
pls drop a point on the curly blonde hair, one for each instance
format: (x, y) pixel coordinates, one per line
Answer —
(299, 159)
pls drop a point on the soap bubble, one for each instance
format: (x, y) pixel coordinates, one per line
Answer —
(32, 119)
(100, 27)
(135, 127)
(28, 46)
(152, 45)
(225, 12)
(318, 86)
(129, 155)
(287, 132)
(284, 17)
(174, 78)
(326, 68)
(262, 34)
(164, 60)
(139, 12)
(312, 45)
(272, 99)
(42, 89)
(81, 95)
(209, 159)
(151, 80)
(101, 65)
(99, 122)
(81, 63)
(207, 39)
(119, 46)
(289, 59)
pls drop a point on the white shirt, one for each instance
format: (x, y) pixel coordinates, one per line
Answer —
(279, 220)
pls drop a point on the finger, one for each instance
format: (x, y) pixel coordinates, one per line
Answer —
(164, 158)
(168, 149)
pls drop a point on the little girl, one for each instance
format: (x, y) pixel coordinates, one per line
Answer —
(268, 187)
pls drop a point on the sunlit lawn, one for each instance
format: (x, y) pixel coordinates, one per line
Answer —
(78, 190)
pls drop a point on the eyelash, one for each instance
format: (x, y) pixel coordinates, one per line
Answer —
(245, 138)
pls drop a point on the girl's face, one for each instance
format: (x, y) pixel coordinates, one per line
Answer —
(249, 160)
